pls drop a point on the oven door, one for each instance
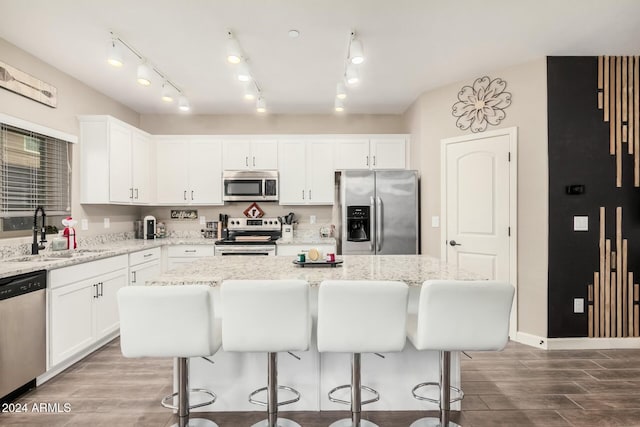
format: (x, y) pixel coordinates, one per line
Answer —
(259, 250)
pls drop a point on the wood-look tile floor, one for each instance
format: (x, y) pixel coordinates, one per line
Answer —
(520, 386)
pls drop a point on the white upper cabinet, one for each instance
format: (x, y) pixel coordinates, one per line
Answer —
(385, 152)
(250, 154)
(189, 170)
(306, 172)
(126, 177)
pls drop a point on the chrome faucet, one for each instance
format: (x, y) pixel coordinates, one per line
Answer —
(43, 236)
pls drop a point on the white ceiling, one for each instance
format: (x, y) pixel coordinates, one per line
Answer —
(410, 45)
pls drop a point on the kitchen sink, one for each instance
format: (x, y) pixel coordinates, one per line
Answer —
(56, 256)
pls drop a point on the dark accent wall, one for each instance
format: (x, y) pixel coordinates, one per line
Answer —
(579, 154)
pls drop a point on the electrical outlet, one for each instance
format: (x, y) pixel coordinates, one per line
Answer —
(580, 223)
(107, 223)
(84, 224)
(312, 219)
(435, 221)
(578, 305)
(203, 220)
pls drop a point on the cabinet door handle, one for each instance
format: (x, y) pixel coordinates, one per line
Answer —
(374, 160)
(133, 277)
(367, 161)
(309, 194)
(101, 289)
(246, 160)
(186, 251)
(146, 255)
(131, 193)
(136, 194)
(96, 294)
(185, 194)
(254, 160)
(302, 194)
(191, 194)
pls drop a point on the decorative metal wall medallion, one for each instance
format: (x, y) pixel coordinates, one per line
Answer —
(482, 103)
(26, 85)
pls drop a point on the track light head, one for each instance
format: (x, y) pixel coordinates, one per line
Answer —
(250, 92)
(234, 53)
(183, 103)
(261, 105)
(167, 93)
(351, 75)
(341, 91)
(144, 74)
(114, 55)
(339, 106)
(244, 75)
(356, 52)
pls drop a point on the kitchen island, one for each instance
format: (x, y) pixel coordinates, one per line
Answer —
(235, 375)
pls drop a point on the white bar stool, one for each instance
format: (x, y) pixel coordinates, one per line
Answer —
(458, 316)
(171, 321)
(360, 316)
(267, 316)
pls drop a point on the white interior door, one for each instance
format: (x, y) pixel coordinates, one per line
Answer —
(478, 205)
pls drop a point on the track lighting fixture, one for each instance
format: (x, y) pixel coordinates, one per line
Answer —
(144, 74)
(236, 56)
(183, 103)
(114, 56)
(341, 91)
(244, 75)
(167, 95)
(234, 53)
(261, 105)
(356, 52)
(351, 75)
(145, 71)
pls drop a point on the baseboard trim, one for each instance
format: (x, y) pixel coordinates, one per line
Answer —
(55, 370)
(577, 343)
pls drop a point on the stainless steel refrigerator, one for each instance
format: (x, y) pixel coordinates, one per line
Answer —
(379, 212)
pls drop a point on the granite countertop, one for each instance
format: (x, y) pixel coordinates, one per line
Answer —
(308, 240)
(50, 260)
(412, 269)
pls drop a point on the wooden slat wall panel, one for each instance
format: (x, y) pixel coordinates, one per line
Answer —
(612, 303)
(630, 304)
(612, 105)
(599, 283)
(600, 82)
(622, 321)
(590, 310)
(605, 95)
(625, 100)
(630, 138)
(618, 301)
(607, 289)
(636, 322)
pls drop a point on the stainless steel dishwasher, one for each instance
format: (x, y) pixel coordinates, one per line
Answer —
(22, 332)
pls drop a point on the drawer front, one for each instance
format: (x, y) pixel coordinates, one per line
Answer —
(144, 256)
(75, 273)
(190, 251)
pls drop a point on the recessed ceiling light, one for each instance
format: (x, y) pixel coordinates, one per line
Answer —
(294, 34)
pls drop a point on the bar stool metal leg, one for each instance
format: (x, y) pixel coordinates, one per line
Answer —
(356, 397)
(445, 397)
(183, 408)
(272, 397)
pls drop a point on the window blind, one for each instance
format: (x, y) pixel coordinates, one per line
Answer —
(35, 170)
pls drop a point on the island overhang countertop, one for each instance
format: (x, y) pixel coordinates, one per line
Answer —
(411, 269)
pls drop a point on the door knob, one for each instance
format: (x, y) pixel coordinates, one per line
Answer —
(453, 243)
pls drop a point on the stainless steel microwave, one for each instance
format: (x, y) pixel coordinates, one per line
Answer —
(250, 185)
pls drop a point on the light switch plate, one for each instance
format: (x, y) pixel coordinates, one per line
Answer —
(578, 305)
(203, 220)
(107, 223)
(580, 223)
(435, 221)
(84, 224)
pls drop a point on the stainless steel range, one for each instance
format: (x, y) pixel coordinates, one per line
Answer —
(250, 236)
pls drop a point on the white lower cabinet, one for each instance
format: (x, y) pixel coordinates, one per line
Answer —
(83, 305)
(185, 254)
(143, 266)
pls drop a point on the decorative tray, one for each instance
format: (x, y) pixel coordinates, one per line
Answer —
(318, 263)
